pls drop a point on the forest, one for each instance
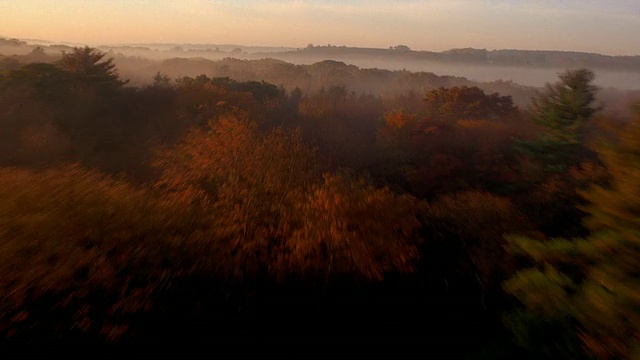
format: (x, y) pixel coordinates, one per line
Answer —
(268, 209)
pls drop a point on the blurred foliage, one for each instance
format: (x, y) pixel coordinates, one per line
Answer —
(206, 197)
(81, 252)
(466, 238)
(271, 213)
(593, 282)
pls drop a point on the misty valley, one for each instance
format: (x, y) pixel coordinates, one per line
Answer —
(464, 204)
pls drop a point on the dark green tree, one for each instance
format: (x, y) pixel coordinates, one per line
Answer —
(564, 111)
(31, 97)
(161, 80)
(591, 286)
(90, 65)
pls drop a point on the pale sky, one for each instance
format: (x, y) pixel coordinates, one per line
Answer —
(604, 26)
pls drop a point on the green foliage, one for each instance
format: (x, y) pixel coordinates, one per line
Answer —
(88, 65)
(36, 75)
(161, 80)
(610, 307)
(564, 111)
(77, 110)
(545, 338)
(30, 99)
(603, 299)
(544, 292)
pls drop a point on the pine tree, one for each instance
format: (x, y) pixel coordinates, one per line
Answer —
(609, 305)
(564, 110)
(592, 285)
(90, 65)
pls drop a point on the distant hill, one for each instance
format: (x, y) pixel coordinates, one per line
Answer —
(506, 57)
(503, 57)
(208, 47)
(11, 42)
(526, 67)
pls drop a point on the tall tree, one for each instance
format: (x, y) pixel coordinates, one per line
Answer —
(90, 65)
(592, 285)
(564, 111)
(609, 308)
(31, 97)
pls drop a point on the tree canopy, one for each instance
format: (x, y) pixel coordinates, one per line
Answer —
(564, 110)
(593, 283)
(467, 103)
(90, 65)
(218, 202)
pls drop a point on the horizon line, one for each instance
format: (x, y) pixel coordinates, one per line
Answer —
(69, 43)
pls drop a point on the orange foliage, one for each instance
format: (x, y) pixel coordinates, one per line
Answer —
(232, 160)
(437, 156)
(269, 213)
(399, 119)
(80, 248)
(456, 103)
(349, 228)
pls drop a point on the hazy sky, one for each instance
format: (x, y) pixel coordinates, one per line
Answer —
(605, 26)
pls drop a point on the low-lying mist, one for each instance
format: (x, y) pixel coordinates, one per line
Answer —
(528, 76)
(540, 67)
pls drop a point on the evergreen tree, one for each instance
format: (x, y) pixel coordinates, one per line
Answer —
(564, 110)
(609, 307)
(90, 65)
(592, 286)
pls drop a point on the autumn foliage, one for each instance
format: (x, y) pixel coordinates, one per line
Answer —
(271, 212)
(80, 251)
(211, 202)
